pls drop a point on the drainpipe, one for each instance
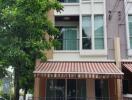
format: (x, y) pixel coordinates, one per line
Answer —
(118, 82)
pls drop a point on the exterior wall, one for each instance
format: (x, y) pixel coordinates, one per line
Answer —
(75, 56)
(116, 26)
(84, 7)
(69, 9)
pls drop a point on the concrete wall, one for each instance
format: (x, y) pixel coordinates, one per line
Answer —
(116, 27)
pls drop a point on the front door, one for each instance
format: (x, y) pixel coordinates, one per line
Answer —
(70, 89)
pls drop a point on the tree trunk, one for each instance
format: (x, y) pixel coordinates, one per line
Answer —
(16, 84)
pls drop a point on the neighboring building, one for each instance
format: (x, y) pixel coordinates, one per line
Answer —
(87, 65)
(127, 49)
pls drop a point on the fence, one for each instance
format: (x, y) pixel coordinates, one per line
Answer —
(77, 98)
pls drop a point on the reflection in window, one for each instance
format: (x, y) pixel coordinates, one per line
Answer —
(130, 29)
(101, 90)
(72, 89)
(55, 89)
(68, 39)
(98, 32)
(69, 1)
(86, 32)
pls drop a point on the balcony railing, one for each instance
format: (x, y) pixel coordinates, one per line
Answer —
(69, 1)
(68, 44)
(75, 98)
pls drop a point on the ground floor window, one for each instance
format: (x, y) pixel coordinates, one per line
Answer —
(70, 89)
(101, 90)
(127, 86)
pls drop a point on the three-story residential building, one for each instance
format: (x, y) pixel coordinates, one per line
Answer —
(87, 63)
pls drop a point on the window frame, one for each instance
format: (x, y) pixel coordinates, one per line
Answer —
(93, 33)
(99, 37)
(67, 2)
(128, 35)
(86, 37)
(77, 38)
(93, 51)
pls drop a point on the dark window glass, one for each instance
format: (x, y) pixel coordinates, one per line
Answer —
(101, 89)
(71, 89)
(55, 90)
(86, 42)
(69, 1)
(127, 86)
(130, 29)
(86, 32)
(98, 32)
(68, 39)
(81, 90)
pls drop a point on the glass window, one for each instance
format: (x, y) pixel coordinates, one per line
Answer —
(70, 89)
(55, 89)
(101, 89)
(86, 32)
(81, 89)
(130, 29)
(98, 32)
(127, 86)
(50, 89)
(69, 1)
(68, 39)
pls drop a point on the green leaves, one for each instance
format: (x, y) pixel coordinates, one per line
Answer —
(23, 24)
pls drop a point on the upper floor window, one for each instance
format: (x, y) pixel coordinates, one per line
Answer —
(68, 39)
(130, 30)
(86, 32)
(69, 1)
(98, 32)
(95, 39)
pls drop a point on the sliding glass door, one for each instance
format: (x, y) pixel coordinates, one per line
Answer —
(70, 89)
(101, 90)
(55, 89)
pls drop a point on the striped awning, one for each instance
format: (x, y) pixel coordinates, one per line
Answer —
(128, 66)
(95, 70)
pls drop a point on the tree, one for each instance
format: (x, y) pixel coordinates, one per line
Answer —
(23, 25)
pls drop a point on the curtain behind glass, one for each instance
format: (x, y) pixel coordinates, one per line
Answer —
(50, 89)
(81, 89)
(130, 29)
(55, 89)
(86, 32)
(70, 41)
(99, 32)
(69, 1)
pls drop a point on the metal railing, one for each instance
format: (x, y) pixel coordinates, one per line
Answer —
(68, 44)
(76, 98)
(69, 1)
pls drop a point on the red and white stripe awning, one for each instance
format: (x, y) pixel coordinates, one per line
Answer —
(128, 66)
(78, 70)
